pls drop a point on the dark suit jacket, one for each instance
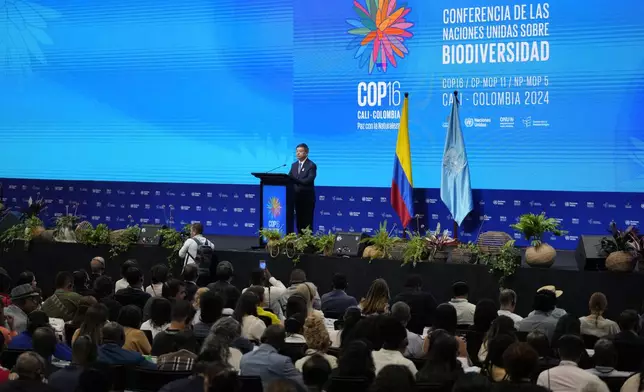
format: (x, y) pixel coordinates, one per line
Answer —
(422, 306)
(304, 180)
(337, 301)
(630, 351)
(130, 296)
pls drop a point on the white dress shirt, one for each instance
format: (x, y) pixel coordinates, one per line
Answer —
(147, 326)
(568, 377)
(415, 346)
(252, 328)
(333, 361)
(515, 317)
(464, 311)
(121, 284)
(190, 248)
(382, 358)
(154, 289)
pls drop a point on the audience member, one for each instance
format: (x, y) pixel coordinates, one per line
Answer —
(605, 360)
(92, 326)
(421, 304)
(219, 377)
(196, 303)
(298, 277)
(556, 312)
(445, 319)
(394, 337)
(44, 344)
(64, 302)
(81, 284)
(356, 360)
(493, 365)
(472, 382)
(267, 363)
(629, 345)
(24, 341)
(316, 370)
(368, 329)
(377, 299)
(189, 252)
(160, 316)
(103, 287)
(595, 324)
(222, 335)
(5, 325)
(224, 275)
(317, 342)
(567, 376)
(394, 378)
(133, 294)
(402, 312)
(159, 274)
(30, 370)
(96, 269)
(337, 301)
(84, 354)
(111, 352)
(211, 305)
(182, 356)
(172, 290)
(508, 302)
(484, 314)
(246, 314)
(190, 276)
(541, 318)
(83, 305)
(442, 366)
(273, 290)
(195, 383)
(634, 383)
(24, 300)
(501, 325)
(164, 341)
(464, 309)
(520, 362)
(294, 328)
(135, 339)
(261, 313)
(27, 277)
(122, 283)
(566, 325)
(310, 293)
(539, 342)
(351, 317)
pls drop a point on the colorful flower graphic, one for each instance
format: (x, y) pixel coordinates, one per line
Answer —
(274, 207)
(382, 29)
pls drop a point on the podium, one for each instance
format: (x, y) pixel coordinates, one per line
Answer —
(276, 208)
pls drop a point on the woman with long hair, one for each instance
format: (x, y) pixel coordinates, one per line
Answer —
(95, 319)
(442, 365)
(595, 324)
(160, 274)
(351, 318)
(309, 292)
(317, 342)
(246, 314)
(493, 366)
(220, 339)
(445, 318)
(501, 325)
(377, 299)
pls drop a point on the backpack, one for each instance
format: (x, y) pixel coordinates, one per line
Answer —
(204, 256)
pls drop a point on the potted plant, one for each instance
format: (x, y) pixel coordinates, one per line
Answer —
(171, 240)
(465, 254)
(533, 227)
(505, 263)
(324, 243)
(380, 245)
(272, 238)
(437, 243)
(637, 245)
(416, 249)
(621, 249)
(122, 239)
(91, 236)
(64, 231)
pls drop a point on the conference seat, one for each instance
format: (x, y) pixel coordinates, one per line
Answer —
(8, 357)
(614, 383)
(144, 380)
(347, 384)
(250, 384)
(433, 387)
(117, 374)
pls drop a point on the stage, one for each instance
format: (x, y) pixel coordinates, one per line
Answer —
(624, 290)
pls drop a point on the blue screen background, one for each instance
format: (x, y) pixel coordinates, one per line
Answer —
(206, 92)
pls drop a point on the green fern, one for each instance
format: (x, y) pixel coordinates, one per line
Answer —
(533, 227)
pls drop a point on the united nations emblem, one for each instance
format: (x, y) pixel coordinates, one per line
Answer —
(453, 161)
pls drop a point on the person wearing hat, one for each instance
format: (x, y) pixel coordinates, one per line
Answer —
(556, 312)
(541, 318)
(224, 275)
(25, 299)
(464, 308)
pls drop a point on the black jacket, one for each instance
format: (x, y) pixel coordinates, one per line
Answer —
(422, 306)
(303, 180)
(131, 296)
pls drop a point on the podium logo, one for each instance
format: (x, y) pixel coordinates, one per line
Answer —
(274, 207)
(379, 33)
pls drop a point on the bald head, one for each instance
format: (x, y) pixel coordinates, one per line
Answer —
(274, 335)
(97, 265)
(30, 366)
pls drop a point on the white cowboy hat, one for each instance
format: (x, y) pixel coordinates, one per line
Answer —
(558, 293)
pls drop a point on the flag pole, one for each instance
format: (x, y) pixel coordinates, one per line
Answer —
(456, 224)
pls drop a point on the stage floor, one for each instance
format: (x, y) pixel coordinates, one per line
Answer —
(624, 290)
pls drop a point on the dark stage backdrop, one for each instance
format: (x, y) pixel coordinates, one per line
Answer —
(234, 209)
(624, 290)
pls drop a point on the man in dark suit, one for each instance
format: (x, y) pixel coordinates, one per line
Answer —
(629, 346)
(336, 302)
(421, 303)
(134, 294)
(303, 173)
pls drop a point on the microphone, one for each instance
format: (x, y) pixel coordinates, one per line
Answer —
(279, 167)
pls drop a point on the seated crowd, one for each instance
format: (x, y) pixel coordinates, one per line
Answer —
(293, 339)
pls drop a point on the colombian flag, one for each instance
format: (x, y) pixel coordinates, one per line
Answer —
(402, 185)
